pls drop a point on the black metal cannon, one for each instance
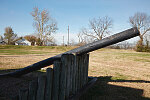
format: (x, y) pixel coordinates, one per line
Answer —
(127, 34)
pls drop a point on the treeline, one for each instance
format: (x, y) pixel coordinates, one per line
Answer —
(10, 38)
(101, 27)
(97, 29)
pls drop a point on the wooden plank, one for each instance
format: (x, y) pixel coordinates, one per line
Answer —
(83, 90)
(68, 79)
(32, 90)
(87, 67)
(81, 70)
(73, 75)
(84, 68)
(56, 78)
(63, 78)
(41, 88)
(77, 73)
(14, 97)
(80, 60)
(49, 83)
(23, 94)
(83, 64)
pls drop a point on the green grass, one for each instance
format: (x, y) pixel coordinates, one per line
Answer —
(22, 50)
(135, 54)
(120, 77)
(19, 52)
(142, 60)
(34, 47)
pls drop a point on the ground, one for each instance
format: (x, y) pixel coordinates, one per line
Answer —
(122, 74)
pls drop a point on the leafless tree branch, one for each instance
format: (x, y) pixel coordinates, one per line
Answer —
(43, 23)
(142, 22)
(98, 28)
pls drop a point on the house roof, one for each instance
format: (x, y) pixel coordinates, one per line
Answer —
(21, 41)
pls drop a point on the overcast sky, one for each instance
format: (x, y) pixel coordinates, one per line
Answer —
(75, 13)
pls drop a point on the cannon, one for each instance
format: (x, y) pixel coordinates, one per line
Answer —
(127, 34)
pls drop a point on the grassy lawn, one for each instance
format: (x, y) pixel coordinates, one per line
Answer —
(23, 50)
(122, 74)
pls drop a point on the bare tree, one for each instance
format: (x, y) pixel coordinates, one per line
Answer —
(50, 40)
(44, 24)
(98, 28)
(31, 38)
(125, 45)
(80, 37)
(142, 22)
(9, 35)
(72, 42)
(147, 40)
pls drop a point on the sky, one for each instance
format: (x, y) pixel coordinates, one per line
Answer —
(75, 13)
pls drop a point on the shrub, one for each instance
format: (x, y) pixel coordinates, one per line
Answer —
(140, 47)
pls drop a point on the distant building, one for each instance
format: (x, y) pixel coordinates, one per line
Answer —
(23, 42)
(2, 42)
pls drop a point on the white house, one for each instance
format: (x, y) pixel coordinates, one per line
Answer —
(2, 42)
(23, 42)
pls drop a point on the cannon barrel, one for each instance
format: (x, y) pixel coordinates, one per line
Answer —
(127, 34)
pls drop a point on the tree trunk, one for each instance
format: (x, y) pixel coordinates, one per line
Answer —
(141, 40)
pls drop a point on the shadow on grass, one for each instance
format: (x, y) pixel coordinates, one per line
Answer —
(100, 91)
(10, 86)
(32, 75)
(104, 91)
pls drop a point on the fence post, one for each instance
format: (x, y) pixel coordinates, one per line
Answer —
(14, 97)
(74, 74)
(71, 58)
(63, 78)
(49, 83)
(23, 94)
(32, 90)
(41, 88)
(77, 59)
(82, 69)
(56, 78)
(68, 78)
(87, 67)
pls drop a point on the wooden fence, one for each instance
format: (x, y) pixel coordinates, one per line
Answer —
(61, 82)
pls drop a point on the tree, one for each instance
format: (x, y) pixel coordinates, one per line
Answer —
(147, 42)
(31, 38)
(72, 42)
(44, 24)
(142, 22)
(98, 28)
(9, 35)
(38, 42)
(80, 39)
